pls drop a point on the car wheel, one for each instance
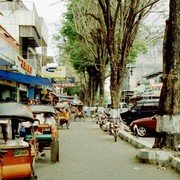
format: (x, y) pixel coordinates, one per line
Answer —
(142, 131)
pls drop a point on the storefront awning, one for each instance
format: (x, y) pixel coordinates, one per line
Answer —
(4, 62)
(24, 79)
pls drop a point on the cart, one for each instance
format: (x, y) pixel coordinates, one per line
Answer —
(63, 115)
(16, 155)
(46, 131)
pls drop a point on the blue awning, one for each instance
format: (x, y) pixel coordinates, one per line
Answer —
(24, 79)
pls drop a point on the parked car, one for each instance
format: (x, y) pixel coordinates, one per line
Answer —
(146, 126)
(143, 108)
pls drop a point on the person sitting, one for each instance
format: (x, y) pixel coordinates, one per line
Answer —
(65, 117)
(49, 119)
(22, 132)
(4, 132)
(79, 113)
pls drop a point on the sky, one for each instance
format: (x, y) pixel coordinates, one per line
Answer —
(52, 11)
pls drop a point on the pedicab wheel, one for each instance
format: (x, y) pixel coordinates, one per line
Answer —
(115, 137)
(33, 178)
(33, 175)
(68, 125)
(55, 151)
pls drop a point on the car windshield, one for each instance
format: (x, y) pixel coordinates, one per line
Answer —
(136, 108)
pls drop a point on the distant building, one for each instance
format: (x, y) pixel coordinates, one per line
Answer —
(145, 64)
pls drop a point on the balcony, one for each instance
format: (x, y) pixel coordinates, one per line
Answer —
(24, 22)
(34, 61)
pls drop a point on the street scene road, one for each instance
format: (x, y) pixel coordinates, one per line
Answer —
(88, 153)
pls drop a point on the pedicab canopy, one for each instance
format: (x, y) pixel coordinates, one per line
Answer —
(42, 109)
(15, 110)
(61, 105)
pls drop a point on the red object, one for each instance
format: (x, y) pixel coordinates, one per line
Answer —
(148, 123)
(16, 163)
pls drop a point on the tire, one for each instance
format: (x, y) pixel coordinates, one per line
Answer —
(68, 125)
(57, 150)
(33, 175)
(33, 178)
(54, 151)
(142, 131)
(115, 137)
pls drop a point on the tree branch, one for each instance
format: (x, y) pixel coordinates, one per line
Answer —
(150, 4)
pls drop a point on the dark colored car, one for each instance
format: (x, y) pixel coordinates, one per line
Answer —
(145, 126)
(143, 108)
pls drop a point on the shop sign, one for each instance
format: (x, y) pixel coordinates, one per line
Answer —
(63, 85)
(25, 65)
(54, 72)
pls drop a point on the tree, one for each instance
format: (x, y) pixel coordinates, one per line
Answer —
(122, 20)
(77, 55)
(107, 31)
(86, 44)
(168, 119)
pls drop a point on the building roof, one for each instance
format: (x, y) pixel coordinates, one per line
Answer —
(153, 74)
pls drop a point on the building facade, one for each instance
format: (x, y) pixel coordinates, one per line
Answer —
(22, 32)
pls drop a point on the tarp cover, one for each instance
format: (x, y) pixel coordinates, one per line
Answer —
(15, 110)
(42, 109)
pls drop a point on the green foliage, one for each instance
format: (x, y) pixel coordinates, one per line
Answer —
(68, 29)
(138, 47)
(74, 45)
(74, 91)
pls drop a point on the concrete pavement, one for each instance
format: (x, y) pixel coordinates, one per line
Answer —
(86, 152)
(148, 154)
(151, 155)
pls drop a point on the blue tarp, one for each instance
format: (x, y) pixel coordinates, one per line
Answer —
(24, 79)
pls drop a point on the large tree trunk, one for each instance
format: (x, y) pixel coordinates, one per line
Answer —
(91, 86)
(93, 83)
(101, 86)
(168, 119)
(115, 86)
(116, 83)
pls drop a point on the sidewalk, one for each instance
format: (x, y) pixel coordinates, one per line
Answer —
(149, 155)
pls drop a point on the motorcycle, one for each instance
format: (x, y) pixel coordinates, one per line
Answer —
(116, 131)
(114, 128)
(102, 119)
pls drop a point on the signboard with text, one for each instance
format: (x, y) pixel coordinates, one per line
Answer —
(64, 85)
(54, 72)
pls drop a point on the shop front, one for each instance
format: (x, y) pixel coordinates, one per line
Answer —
(19, 87)
(8, 91)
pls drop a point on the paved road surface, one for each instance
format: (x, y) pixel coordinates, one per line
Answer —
(87, 153)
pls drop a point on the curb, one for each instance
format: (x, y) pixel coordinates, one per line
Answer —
(135, 141)
(176, 163)
(148, 155)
